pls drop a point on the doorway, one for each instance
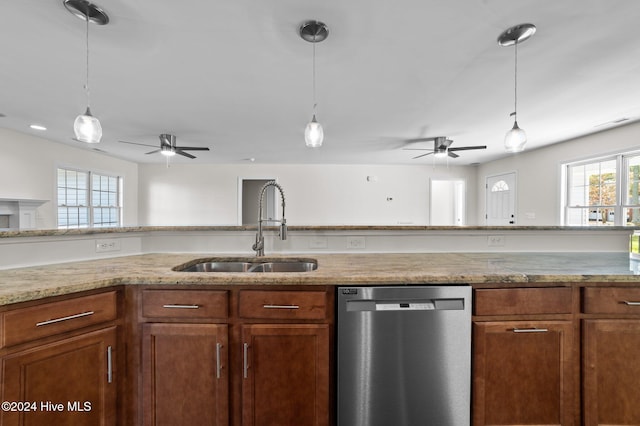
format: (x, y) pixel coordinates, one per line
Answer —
(501, 199)
(447, 202)
(249, 198)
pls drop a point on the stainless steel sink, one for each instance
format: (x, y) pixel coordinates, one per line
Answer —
(249, 265)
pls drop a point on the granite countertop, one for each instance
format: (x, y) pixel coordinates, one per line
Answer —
(504, 269)
(227, 228)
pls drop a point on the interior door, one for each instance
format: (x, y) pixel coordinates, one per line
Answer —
(447, 206)
(501, 200)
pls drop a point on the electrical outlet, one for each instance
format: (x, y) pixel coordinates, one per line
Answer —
(356, 243)
(495, 240)
(103, 246)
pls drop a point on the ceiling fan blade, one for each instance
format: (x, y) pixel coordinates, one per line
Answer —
(135, 143)
(417, 149)
(420, 140)
(452, 154)
(184, 154)
(192, 148)
(419, 156)
(466, 148)
(153, 152)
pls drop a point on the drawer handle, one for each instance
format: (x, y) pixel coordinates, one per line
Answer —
(218, 361)
(530, 330)
(630, 303)
(281, 306)
(70, 317)
(181, 306)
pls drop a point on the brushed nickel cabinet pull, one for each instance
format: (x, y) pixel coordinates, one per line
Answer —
(530, 330)
(245, 363)
(281, 306)
(630, 303)
(70, 317)
(171, 306)
(109, 365)
(218, 362)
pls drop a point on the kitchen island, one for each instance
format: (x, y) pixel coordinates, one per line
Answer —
(477, 269)
(570, 317)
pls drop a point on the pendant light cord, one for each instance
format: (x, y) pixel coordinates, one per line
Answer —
(314, 74)
(86, 87)
(515, 84)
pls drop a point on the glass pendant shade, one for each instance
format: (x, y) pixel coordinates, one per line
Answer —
(87, 128)
(313, 133)
(515, 139)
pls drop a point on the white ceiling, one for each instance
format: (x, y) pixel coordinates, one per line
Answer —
(235, 75)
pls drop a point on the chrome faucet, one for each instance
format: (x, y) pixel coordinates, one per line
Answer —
(259, 244)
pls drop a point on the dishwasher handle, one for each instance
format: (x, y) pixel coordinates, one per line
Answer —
(405, 305)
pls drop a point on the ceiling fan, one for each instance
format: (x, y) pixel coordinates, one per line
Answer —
(169, 148)
(441, 147)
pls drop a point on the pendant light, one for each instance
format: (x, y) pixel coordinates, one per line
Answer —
(314, 32)
(516, 138)
(86, 127)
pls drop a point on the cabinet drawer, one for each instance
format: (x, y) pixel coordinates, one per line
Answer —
(611, 300)
(283, 304)
(185, 304)
(25, 324)
(523, 301)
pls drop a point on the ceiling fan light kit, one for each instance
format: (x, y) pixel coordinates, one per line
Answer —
(313, 32)
(516, 138)
(86, 127)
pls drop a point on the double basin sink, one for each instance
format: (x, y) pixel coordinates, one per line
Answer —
(249, 265)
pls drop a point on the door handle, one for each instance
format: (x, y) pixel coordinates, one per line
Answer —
(245, 361)
(218, 361)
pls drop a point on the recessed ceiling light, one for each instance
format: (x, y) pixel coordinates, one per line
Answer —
(38, 127)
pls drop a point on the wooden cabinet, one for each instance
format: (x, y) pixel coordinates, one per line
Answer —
(60, 362)
(523, 357)
(611, 356)
(236, 356)
(185, 374)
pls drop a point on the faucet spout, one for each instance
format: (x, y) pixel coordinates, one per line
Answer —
(258, 246)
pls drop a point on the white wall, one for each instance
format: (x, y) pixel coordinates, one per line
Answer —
(28, 171)
(538, 172)
(316, 194)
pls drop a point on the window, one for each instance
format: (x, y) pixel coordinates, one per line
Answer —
(500, 186)
(604, 191)
(87, 199)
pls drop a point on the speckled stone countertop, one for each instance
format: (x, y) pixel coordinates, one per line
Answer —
(227, 228)
(478, 269)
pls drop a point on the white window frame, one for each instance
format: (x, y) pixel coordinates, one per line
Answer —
(89, 203)
(620, 206)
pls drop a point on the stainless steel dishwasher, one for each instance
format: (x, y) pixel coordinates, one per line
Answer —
(404, 356)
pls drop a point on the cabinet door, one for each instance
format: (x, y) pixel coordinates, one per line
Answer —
(523, 373)
(70, 382)
(611, 372)
(185, 374)
(285, 375)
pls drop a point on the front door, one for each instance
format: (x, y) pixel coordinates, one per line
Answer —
(501, 200)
